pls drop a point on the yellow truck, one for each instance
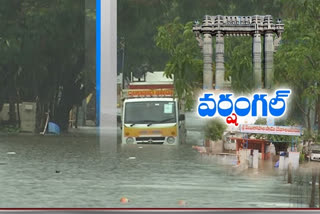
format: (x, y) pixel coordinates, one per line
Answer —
(151, 114)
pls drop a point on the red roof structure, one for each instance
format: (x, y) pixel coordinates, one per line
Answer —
(258, 144)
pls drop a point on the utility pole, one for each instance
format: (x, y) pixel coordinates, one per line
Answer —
(319, 185)
(313, 189)
(122, 45)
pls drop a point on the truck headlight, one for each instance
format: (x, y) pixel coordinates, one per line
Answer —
(171, 140)
(129, 140)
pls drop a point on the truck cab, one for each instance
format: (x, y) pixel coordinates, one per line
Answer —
(151, 121)
(151, 114)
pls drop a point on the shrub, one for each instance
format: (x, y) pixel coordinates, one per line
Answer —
(10, 129)
(301, 158)
(214, 129)
(261, 121)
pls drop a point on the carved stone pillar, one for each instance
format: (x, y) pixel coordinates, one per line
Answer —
(207, 61)
(257, 71)
(219, 77)
(268, 56)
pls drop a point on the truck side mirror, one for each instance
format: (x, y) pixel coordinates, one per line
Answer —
(118, 118)
(182, 117)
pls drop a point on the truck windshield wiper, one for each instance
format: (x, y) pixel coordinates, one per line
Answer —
(161, 121)
(132, 124)
(165, 120)
(142, 121)
(151, 122)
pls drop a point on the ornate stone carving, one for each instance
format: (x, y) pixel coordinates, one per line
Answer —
(255, 26)
(219, 79)
(256, 59)
(207, 61)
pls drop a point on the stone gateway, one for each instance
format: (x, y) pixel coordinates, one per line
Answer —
(254, 26)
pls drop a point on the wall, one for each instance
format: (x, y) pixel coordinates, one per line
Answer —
(27, 115)
(214, 147)
(230, 146)
(4, 114)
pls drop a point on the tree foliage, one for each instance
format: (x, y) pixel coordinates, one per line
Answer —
(297, 61)
(185, 64)
(137, 26)
(238, 63)
(42, 51)
(138, 22)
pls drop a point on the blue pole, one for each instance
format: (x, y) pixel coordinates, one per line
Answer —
(98, 60)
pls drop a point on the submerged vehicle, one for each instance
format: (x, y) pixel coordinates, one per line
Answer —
(315, 153)
(151, 114)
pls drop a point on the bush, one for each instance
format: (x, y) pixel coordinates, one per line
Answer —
(214, 129)
(302, 158)
(10, 129)
(317, 138)
(261, 121)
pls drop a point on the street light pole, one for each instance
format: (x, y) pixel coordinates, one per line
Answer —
(122, 43)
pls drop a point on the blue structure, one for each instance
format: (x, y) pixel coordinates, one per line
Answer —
(53, 128)
(98, 60)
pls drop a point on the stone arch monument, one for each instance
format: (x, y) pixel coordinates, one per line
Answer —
(254, 26)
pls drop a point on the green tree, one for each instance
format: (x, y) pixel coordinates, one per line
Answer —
(10, 48)
(43, 52)
(137, 25)
(138, 22)
(238, 63)
(185, 63)
(297, 61)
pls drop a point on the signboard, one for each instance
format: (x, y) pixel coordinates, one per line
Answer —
(149, 93)
(274, 130)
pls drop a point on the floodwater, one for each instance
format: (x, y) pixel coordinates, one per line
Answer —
(73, 171)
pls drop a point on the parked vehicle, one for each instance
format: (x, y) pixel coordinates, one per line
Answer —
(315, 153)
(151, 114)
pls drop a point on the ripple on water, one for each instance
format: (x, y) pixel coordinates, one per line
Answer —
(159, 176)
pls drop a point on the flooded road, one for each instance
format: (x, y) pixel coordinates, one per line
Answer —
(71, 171)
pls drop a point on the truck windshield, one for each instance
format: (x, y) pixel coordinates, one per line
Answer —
(150, 112)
